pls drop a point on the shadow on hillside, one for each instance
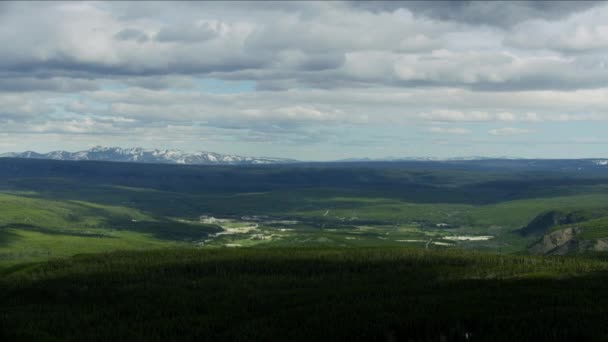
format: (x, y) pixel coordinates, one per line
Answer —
(163, 230)
(167, 230)
(49, 231)
(169, 191)
(347, 299)
(7, 237)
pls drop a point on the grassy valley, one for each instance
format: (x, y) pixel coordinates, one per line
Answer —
(56, 209)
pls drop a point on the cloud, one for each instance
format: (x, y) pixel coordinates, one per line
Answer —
(449, 130)
(292, 72)
(196, 32)
(132, 34)
(16, 107)
(581, 32)
(508, 131)
(454, 115)
(309, 45)
(54, 84)
(495, 13)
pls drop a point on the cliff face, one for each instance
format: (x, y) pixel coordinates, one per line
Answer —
(567, 241)
(559, 242)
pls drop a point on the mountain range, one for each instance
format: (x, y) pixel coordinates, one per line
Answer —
(174, 156)
(140, 155)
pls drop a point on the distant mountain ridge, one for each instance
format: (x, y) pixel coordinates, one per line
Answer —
(429, 159)
(174, 156)
(141, 155)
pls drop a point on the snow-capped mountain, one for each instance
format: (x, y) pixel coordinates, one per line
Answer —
(140, 155)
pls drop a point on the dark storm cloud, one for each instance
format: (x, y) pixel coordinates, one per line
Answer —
(494, 13)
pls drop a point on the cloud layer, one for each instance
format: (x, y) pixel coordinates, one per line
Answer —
(310, 80)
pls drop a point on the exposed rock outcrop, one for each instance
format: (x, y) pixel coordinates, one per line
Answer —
(558, 242)
(567, 241)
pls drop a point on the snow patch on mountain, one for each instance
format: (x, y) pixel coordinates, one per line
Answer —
(140, 155)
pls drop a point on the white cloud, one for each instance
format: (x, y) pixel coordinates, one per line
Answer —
(455, 115)
(508, 131)
(581, 32)
(449, 130)
(505, 116)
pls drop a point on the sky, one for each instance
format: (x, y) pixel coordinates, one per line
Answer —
(307, 80)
